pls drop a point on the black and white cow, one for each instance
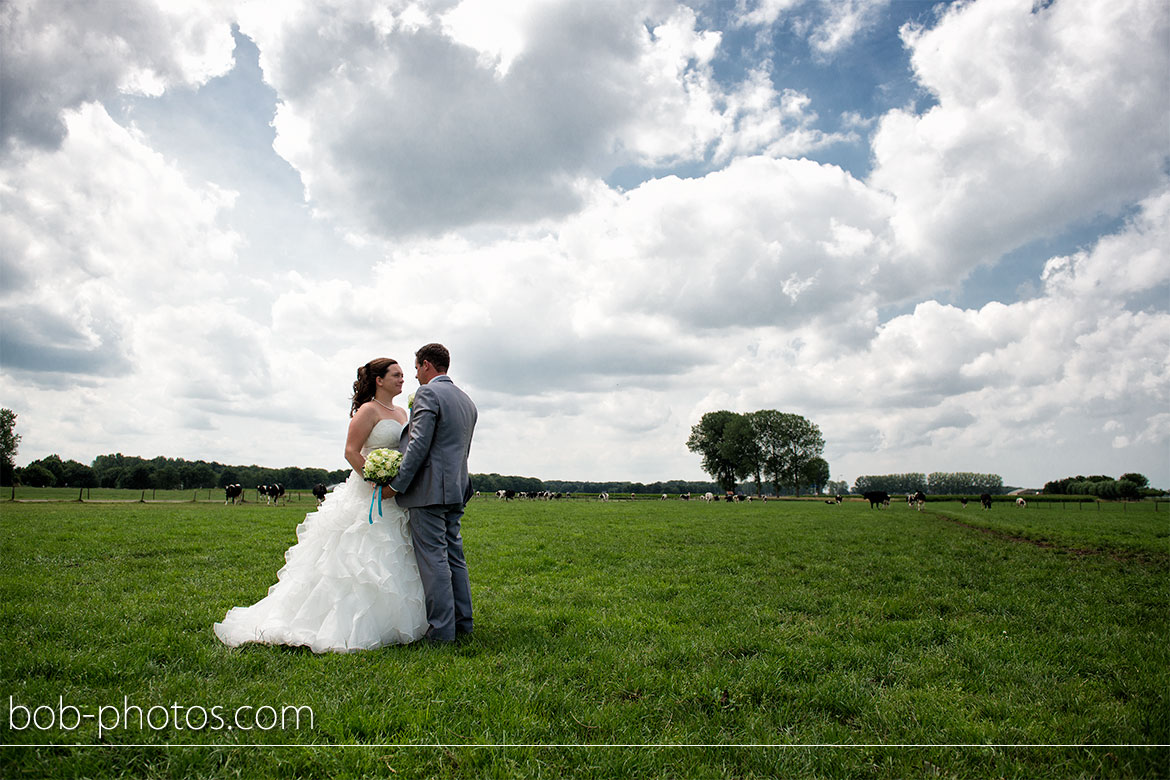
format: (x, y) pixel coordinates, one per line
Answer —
(985, 500)
(232, 493)
(877, 498)
(272, 492)
(919, 500)
(319, 492)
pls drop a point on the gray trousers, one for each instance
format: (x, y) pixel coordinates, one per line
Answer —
(438, 548)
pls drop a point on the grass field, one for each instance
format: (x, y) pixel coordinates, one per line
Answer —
(721, 640)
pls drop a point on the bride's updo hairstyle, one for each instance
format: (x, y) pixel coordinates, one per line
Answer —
(364, 386)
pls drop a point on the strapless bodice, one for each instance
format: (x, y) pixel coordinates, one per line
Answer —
(385, 434)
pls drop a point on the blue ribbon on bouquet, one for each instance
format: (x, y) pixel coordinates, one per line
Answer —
(376, 497)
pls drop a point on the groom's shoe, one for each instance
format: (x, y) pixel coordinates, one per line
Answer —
(431, 640)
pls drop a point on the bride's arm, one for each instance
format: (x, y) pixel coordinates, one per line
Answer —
(360, 425)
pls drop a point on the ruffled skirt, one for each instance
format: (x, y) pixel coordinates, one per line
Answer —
(346, 584)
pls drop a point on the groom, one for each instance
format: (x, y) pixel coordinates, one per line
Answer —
(433, 483)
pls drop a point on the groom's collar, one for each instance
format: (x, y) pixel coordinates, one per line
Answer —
(439, 377)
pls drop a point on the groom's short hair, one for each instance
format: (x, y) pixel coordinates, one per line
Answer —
(437, 354)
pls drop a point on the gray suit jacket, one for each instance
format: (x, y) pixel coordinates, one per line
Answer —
(434, 462)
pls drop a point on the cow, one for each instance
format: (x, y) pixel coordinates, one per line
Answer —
(685, 496)
(835, 500)
(963, 501)
(663, 497)
(233, 492)
(506, 495)
(708, 497)
(319, 492)
(273, 492)
(919, 500)
(1021, 503)
(877, 498)
(985, 500)
(603, 496)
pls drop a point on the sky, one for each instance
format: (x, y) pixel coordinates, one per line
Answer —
(936, 230)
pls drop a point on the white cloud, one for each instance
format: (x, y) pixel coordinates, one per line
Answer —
(415, 129)
(846, 20)
(58, 55)
(1043, 118)
(98, 229)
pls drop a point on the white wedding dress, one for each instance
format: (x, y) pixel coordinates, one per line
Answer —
(346, 584)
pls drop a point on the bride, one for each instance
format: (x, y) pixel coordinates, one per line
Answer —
(347, 584)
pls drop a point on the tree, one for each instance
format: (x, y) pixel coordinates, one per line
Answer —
(787, 443)
(1138, 479)
(838, 488)
(815, 474)
(77, 474)
(707, 439)
(54, 465)
(36, 475)
(198, 475)
(9, 443)
(740, 447)
(166, 478)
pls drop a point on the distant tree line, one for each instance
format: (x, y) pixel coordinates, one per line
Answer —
(490, 483)
(782, 448)
(128, 471)
(938, 483)
(1130, 485)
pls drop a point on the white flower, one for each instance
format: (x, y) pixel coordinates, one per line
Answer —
(382, 466)
(410, 401)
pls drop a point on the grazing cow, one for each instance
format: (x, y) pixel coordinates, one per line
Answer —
(319, 492)
(919, 500)
(603, 497)
(233, 492)
(708, 496)
(877, 498)
(963, 501)
(1021, 503)
(685, 496)
(663, 497)
(985, 500)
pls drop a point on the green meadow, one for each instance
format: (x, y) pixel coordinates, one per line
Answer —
(620, 639)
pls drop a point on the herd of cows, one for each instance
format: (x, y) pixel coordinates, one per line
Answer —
(545, 495)
(876, 498)
(271, 493)
(881, 499)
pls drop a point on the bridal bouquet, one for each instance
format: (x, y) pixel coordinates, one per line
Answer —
(381, 467)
